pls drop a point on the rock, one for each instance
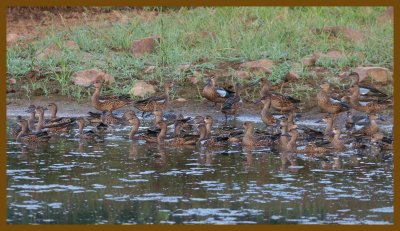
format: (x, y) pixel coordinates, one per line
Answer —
(71, 45)
(87, 77)
(141, 88)
(51, 50)
(348, 33)
(262, 65)
(332, 54)
(11, 81)
(145, 45)
(387, 16)
(291, 76)
(181, 100)
(244, 75)
(378, 74)
(309, 61)
(11, 38)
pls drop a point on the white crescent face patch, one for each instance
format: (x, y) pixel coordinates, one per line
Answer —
(364, 91)
(335, 100)
(364, 103)
(161, 101)
(222, 92)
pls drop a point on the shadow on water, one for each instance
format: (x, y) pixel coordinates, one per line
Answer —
(121, 181)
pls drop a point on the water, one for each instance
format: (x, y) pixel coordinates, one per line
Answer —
(121, 181)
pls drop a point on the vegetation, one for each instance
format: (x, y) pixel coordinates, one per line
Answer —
(282, 34)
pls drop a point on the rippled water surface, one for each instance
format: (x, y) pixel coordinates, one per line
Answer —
(120, 181)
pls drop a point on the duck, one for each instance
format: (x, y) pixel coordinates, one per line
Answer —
(151, 103)
(216, 94)
(209, 141)
(25, 137)
(108, 118)
(364, 89)
(266, 116)
(280, 102)
(368, 107)
(85, 135)
(52, 107)
(233, 103)
(109, 103)
(135, 123)
(327, 104)
(250, 140)
(17, 129)
(370, 128)
(32, 117)
(52, 125)
(157, 136)
(336, 142)
(380, 140)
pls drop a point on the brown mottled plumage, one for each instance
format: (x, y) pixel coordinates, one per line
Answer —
(160, 102)
(369, 108)
(250, 140)
(233, 103)
(23, 136)
(52, 125)
(370, 128)
(87, 135)
(266, 116)
(106, 103)
(215, 94)
(280, 102)
(326, 104)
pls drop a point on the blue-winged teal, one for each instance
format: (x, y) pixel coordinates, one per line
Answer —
(327, 104)
(32, 119)
(233, 103)
(280, 102)
(215, 94)
(85, 135)
(157, 137)
(151, 103)
(23, 136)
(52, 125)
(135, 123)
(370, 128)
(368, 107)
(52, 107)
(266, 116)
(382, 141)
(16, 130)
(210, 141)
(250, 140)
(107, 103)
(364, 89)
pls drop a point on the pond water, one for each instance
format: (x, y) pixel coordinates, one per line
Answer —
(120, 181)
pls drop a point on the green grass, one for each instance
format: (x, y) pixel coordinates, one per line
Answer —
(281, 34)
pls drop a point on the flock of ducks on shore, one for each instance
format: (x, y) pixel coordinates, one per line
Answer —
(282, 134)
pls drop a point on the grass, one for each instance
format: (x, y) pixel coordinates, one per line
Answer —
(282, 34)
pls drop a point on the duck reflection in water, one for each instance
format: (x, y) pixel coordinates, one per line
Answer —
(288, 159)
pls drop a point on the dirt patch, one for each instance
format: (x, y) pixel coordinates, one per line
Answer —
(31, 22)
